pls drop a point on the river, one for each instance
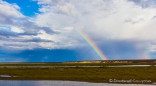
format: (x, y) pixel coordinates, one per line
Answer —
(58, 83)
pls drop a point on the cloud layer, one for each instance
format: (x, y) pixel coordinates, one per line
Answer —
(17, 30)
(104, 21)
(120, 19)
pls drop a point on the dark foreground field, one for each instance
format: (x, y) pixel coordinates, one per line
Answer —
(101, 74)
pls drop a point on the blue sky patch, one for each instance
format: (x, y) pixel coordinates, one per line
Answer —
(27, 7)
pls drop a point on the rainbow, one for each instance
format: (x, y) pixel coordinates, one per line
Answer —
(92, 44)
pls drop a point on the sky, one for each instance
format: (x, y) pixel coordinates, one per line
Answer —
(74, 30)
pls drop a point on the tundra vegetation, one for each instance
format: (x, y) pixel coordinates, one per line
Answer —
(101, 74)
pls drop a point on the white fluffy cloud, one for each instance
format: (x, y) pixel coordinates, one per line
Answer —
(119, 19)
(10, 10)
(99, 19)
(18, 31)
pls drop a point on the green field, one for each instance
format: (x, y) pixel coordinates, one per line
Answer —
(102, 74)
(72, 64)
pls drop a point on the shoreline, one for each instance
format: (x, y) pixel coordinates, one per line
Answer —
(94, 73)
(64, 81)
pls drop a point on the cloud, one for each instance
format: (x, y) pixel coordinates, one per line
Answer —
(120, 19)
(18, 31)
(134, 20)
(19, 43)
(36, 40)
(9, 12)
(28, 25)
(14, 34)
(125, 49)
(11, 16)
(102, 20)
(145, 3)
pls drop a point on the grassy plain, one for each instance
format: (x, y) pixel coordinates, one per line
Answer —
(102, 74)
(72, 64)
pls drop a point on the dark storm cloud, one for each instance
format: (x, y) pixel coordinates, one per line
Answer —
(4, 36)
(38, 55)
(36, 40)
(14, 34)
(7, 33)
(115, 49)
(29, 33)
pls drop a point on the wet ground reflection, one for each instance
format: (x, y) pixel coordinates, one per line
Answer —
(58, 83)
